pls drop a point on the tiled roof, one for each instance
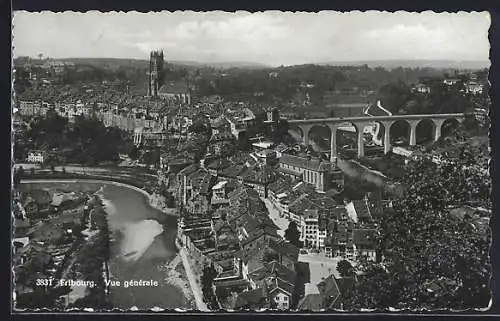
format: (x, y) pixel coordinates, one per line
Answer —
(315, 164)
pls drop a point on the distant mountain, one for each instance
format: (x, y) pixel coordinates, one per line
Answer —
(439, 64)
(222, 65)
(115, 62)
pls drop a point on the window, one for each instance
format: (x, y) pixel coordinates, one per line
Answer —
(285, 298)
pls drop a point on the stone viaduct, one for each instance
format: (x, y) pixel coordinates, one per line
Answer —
(360, 123)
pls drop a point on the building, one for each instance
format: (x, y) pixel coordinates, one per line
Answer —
(364, 243)
(36, 157)
(314, 229)
(422, 88)
(473, 87)
(175, 90)
(155, 74)
(451, 81)
(311, 170)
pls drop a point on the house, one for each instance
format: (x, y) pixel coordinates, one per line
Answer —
(217, 166)
(473, 87)
(331, 294)
(422, 88)
(377, 110)
(220, 125)
(258, 178)
(36, 157)
(268, 157)
(226, 237)
(451, 81)
(219, 195)
(201, 183)
(364, 243)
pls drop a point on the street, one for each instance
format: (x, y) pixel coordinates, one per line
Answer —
(274, 214)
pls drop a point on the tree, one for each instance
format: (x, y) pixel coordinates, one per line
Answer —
(423, 246)
(345, 268)
(292, 234)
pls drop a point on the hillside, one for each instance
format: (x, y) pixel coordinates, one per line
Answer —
(439, 64)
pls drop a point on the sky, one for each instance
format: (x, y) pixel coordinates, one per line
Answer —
(272, 37)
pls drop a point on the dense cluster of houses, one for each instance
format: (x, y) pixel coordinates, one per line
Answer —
(46, 224)
(256, 268)
(339, 230)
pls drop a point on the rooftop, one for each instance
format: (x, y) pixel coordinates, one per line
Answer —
(313, 163)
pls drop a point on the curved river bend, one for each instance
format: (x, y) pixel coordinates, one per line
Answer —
(143, 243)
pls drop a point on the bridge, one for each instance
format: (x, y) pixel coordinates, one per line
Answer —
(385, 122)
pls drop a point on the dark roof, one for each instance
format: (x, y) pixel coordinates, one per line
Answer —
(377, 110)
(362, 210)
(219, 164)
(282, 285)
(364, 237)
(345, 285)
(251, 299)
(329, 289)
(315, 164)
(233, 171)
(281, 185)
(285, 248)
(263, 175)
(273, 270)
(312, 302)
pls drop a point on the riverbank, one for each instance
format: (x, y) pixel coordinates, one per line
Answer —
(155, 200)
(132, 220)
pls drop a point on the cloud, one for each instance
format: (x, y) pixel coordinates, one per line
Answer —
(269, 37)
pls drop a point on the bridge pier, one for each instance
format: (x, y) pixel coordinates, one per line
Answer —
(360, 127)
(387, 137)
(413, 132)
(305, 133)
(333, 144)
(438, 123)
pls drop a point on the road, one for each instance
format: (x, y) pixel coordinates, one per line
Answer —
(281, 222)
(197, 292)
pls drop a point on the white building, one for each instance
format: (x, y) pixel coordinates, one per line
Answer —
(35, 157)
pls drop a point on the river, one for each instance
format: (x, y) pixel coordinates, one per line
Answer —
(143, 243)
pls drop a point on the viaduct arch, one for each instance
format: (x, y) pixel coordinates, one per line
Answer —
(359, 123)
